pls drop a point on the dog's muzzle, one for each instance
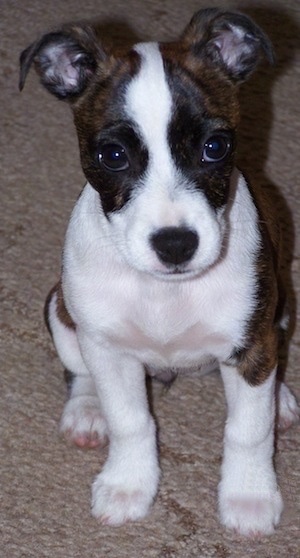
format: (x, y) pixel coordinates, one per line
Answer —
(175, 245)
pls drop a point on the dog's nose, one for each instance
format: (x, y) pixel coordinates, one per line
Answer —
(175, 245)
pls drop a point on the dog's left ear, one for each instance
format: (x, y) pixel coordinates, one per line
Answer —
(229, 40)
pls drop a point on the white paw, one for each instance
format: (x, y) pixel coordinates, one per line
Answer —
(251, 516)
(82, 423)
(117, 504)
(288, 409)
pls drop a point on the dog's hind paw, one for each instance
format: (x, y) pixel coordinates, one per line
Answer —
(288, 410)
(82, 422)
(252, 516)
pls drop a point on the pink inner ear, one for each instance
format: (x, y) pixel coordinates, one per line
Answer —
(63, 66)
(70, 72)
(231, 45)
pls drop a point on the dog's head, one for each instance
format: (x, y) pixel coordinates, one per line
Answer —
(156, 128)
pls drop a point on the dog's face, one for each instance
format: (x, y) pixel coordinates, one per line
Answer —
(156, 128)
(161, 158)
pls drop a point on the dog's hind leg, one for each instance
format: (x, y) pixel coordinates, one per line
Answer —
(81, 421)
(288, 411)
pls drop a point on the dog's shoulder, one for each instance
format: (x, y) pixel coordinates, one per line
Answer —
(270, 226)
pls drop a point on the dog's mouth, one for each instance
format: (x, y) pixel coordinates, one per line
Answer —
(176, 272)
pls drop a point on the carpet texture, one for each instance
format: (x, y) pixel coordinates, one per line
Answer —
(45, 492)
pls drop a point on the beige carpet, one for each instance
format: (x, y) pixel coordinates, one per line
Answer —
(45, 492)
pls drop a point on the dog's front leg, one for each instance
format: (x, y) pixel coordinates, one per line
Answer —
(249, 499)
(127, 485)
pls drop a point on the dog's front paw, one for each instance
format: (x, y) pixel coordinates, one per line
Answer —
(251, 516)
(117, 504)
(82, 422)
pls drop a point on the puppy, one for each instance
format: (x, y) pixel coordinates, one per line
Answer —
(170, 261)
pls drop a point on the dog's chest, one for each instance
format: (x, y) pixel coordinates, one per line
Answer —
(164, 324)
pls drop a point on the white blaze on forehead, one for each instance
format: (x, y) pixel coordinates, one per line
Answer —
(149, 101)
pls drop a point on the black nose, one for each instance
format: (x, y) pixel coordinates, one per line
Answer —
(175, 245)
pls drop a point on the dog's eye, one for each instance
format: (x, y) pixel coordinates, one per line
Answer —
(216, 148)
(113, 157)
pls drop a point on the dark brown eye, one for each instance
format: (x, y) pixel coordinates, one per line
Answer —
(113, 157)
(216, 148)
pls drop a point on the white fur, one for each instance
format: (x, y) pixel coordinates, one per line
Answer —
(130, 313)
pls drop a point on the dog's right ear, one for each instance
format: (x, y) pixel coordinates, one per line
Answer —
(66, 61)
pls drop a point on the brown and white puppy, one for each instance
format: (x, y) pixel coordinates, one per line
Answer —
(170, 259)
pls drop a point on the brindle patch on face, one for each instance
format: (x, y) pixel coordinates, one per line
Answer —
(100, 119)
(205, 105)
(115, 187)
